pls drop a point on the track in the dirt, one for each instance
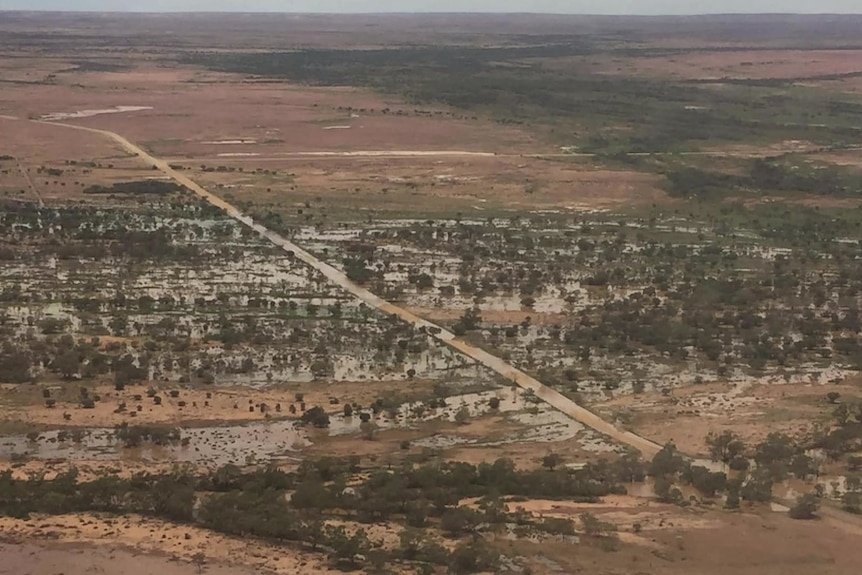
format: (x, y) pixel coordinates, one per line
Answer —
(30, 183)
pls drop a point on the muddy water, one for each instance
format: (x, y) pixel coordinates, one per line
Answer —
(90, 113)
(536, 422)
(212, 446)
(262, 441)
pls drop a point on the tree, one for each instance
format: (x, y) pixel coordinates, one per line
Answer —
(629, 468)
(725, 446)
(667, 461)
(322, 367)
(732, 501)
(317, 417)
(758, 486)
(454, 522)
(707, 482)
(68, 364)
(593, 526)
(473, 557)
(666, 491)
(469, 321)
(806, 507)
(801, 466)
(462, 417)
(368, 428)
(774, 453)
(832, 396)
(347, 550)
(551, 460)
(15, 365)
(119, 324)
(424, 281)
(312, 494)
(199, 559)
(311, 531)
(411, 542)
(357, 271)
(852, 502)
(842, 414)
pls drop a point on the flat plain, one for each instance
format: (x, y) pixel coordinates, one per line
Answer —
(430, 294)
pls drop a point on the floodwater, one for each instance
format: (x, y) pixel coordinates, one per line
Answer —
(212, 446)
(90, 113)
(229, 142)
(215, 446)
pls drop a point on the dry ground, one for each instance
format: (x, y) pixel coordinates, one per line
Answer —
(147, 536)
(47, 558)
(525, 454)
(36, 146)
(742, 64)
(690, 413)
(203, 404)
(427, 185)
(652, 537)
(710, 543)
(192, 107)
(203, 119)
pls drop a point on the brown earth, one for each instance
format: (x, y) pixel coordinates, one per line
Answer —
(193, 107)
(525, 454)
(50, 558)
(659, 538)
(743, 64)
(148, 536)
(428, 185)
(687, 416)
(224, 404)
(196, 114)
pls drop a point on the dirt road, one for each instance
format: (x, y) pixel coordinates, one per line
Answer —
(518, 377)
(391, 154)
(396, 154)
(31, 184)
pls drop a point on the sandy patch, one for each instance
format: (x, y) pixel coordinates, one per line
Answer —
(229, 142)
(742, 64)
(52, 558)
(90, 113)
(153, 536)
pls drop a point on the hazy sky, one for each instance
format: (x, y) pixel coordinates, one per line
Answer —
(551, 6)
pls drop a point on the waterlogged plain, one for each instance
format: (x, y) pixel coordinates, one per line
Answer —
(167, 300)
(601, 305)
(673, 253)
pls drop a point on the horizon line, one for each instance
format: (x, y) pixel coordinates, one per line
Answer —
(426, 12)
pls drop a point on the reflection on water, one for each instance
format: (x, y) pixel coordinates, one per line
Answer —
(211, 446)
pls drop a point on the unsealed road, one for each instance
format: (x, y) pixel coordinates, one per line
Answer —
(400, 154)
